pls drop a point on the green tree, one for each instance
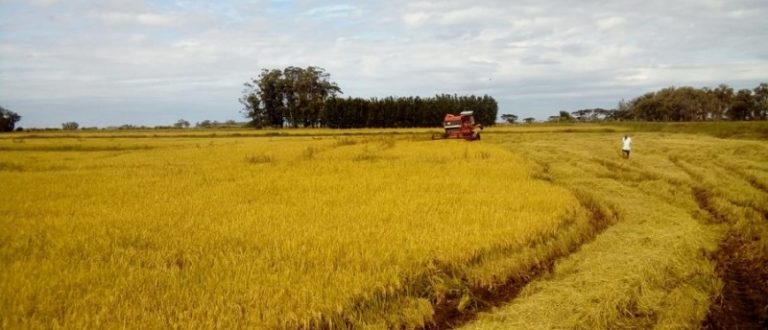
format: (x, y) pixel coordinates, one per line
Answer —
(289, 94)
(761, 102)
(529, 120)
(689, 104)
(674, 104)
(565, 116)
(405, 111)
(294, 95)
(647, 107)
(263, 99)
(70, 126)
(724, 96)
(685, 104)
(306, 91)
(583, 114)
(8, 119)
(181, 124)
(271, 86)
(623, 111)
(205, 124)
(743, 105)
(510, 118)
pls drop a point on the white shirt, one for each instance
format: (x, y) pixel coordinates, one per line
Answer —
(627, 143)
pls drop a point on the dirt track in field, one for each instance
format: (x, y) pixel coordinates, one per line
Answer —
(743, 303)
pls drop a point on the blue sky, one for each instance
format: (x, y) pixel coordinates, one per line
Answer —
(103, 63)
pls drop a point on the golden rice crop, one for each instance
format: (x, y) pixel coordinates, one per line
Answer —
(377, 229)
(262, 232)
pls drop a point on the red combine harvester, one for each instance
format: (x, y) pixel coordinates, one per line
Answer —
(460, 127)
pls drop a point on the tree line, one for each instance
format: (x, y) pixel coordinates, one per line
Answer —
(8, 119)
(683, 104)
(293, 97)
(699, 104)
(305, 97)
(406, 111)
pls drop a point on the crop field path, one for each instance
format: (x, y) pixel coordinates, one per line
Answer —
(530, 228)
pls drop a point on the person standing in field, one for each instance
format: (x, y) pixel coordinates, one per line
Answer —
(626, 146)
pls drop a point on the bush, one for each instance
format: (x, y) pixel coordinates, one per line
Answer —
(70, 126)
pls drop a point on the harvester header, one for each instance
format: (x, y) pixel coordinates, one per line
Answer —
(461, 126)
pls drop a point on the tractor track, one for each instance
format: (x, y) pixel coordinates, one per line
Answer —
(446, 311)
(743, 301)
(447, 316)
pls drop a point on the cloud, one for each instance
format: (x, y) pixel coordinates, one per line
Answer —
(341, 11)
(420, 14)
(173, 59)
(43, 2)
(610, 22)
(146, 19)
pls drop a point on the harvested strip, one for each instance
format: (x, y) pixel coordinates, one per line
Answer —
(637, 274)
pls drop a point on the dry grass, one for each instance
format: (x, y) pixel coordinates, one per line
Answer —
(655, 267)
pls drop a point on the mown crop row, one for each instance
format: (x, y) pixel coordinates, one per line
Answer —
(689, 250)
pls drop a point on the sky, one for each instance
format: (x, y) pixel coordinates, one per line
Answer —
(141, 62)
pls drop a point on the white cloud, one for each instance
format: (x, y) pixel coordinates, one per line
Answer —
(415, 18)
(190, 59)
(146, 19)
(155, 19)
(610, 22)
(332, 12)
(471, 15)
(450, 13)
(43, 2)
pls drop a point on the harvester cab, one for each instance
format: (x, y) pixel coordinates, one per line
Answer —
(462, 126)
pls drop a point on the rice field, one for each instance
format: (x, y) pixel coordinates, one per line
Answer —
(690, 248)
(305, 229)
(269, 232)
